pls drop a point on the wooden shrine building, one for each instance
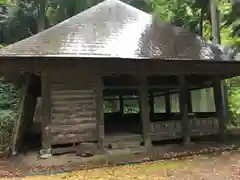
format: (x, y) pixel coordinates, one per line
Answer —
(116, 52)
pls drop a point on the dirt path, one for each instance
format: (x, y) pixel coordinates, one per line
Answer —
(7, 170)
(223, 167)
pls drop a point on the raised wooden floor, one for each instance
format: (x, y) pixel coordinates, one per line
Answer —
(122, 141)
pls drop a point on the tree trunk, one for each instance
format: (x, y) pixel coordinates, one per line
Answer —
(41, 23)
(17, 2)
(201, 27)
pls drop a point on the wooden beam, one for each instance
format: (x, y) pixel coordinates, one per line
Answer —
(45, 152)
(144, 104)
(183, 102)
(114, 66)
(219, 106)
(167, 102)
(99, 111)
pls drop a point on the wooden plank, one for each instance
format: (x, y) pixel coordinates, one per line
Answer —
(124, 145)
(74, 138)
(82, 108)
(70, 129)
(75, 112)
(183, 102)
(72, 91)
(72, 85)
(70, 97)
(167, 102)
(99, 110)
(18, 121)
(120, 87)
(46, 112)
(77, 105)
(65, 77)
(70, 115)
(166, 130)
(219, 106)
(122, 140)
(122, 137)
(74, 101)
(203, 126)
(63, 150)
(73, 97)
(66, 120)
(145, 111)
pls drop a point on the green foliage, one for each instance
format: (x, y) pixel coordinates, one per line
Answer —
(59, 10)
(186, 13)
(7, 118)
(8, 107)
(234, 100)
(8, 95)
(195, 15)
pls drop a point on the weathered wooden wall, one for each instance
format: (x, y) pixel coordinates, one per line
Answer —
(73, 108)
(165, 130)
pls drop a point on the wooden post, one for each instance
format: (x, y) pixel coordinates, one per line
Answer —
(183, 102)
(189, 98)
(16, 135)
(219, 106)
(151, 103)
(145, 112)
(45, 152)
(167, 102)
(99, 111)
(121, 105)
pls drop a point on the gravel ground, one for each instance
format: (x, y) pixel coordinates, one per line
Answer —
(225, 166)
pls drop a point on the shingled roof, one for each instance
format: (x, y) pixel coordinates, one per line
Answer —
(114, 29)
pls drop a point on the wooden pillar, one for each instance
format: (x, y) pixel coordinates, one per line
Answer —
(145, 117)
(189, 98)
(183, 102)
(121, 105)
(151, 103)
(17, 133)
(45, 152)
(99, 111)
(167, 102)
(220, 107)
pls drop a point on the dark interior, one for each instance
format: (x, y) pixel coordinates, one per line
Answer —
(117, 123)
(123, 120)
(31, 140)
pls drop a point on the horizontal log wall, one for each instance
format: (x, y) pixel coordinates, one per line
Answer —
(164, 130)
(73, 109)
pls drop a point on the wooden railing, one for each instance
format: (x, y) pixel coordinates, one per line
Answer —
(164, 130)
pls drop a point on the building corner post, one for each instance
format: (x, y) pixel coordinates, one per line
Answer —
(46, 150)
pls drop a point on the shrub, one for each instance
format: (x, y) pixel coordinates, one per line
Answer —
(234, 100)
(8, 109)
